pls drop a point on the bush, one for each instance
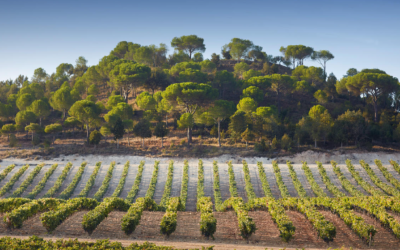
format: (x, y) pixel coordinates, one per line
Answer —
(261, 147)
(95, 137)
(274, 143)
(214, 131)
(286, 142)
(36, 140)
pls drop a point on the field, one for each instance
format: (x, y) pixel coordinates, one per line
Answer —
(206, 203)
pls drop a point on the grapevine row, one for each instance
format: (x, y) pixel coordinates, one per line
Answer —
(367, 187)
(279, 180)
(153, 181)
(246, 224)
(375, 179)
(296, 182)
(6, 171)
(247, 179)
(184, 185)
(168, 185)
(122, 181)
(59, 181)
(264, 181)
(314, 185)
(217, 190)
(329, 185)
(387, 175)
(28, 181)
(345, 182)
(232, 181)
(89, 184)
(7, 205)
(8, 186)
(39, 187)
(135, 188)
(71, 187)
(105, 184)
(169, 220)
(132, 218)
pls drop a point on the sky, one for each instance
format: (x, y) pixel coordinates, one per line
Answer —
(360, 34)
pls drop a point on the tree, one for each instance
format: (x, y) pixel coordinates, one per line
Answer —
(215, 59)
(8, 129)
(247, 105)
(62, 100)
(24, 118)
(351, 72)
(41, 109)
(350, 126)
(208, 66)
(39, 75)
(189, 96)
(372, 85)
(24, 101)
(114, 100)
(33, 128)
(93, 90)
(128, 125)
(239, 48)
(256, 53)
(72, 122)
(157, 80)
(238, 123)
(321, 96)
(118, 130)
(240, 68)
(186, 121)
(198, 57)
(247, 135)
(280, 83)
(142, 130)
(296, 52)
(95, 138)
(250, 73)
(220, 110)
(146, 101)
(105, 131)
(253, 92)
(322, 57)
(321, 122)
(52, 129)
(130, 75)
(188, 44)
(224, 81)
(86, 112)
(161, 131)
(225, 51)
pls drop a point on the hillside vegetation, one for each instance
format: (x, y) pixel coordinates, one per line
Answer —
(243, 98)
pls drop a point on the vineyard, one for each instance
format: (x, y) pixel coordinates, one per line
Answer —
(311, 205)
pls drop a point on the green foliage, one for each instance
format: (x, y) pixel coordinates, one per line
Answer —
(168, 185)
(247, 105)
(345, 182)
(66, 193)
(28, 181)
(246, 224)
(95, 137)
(7, 205)
(132, 218)
(279, 216)
(57, 185)
(232, 181)
(25, 117)
(39, 187)
(6, 171)
(188, 44)
(52, 219)
(16, 217)
(184, 185)
(365, 185)
(375, 179)
(208, 223)
(9, 185)
(198, 57)
(122, 180)
(286, 142)
(279, 180)
(200, 180)
(89, 184)
(296, 182)
(264, 181)
(329, 185)
(169, 220)
(105, 184)
(217, 191)
(94, 217)
(314, 185)
(153, 181)
(135, 188)
(142, 129)
(247, 179)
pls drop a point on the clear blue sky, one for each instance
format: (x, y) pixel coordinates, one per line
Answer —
(361, 34)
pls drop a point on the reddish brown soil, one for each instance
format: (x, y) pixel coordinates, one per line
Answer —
(383, 239)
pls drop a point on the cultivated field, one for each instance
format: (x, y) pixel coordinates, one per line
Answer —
(270, 205)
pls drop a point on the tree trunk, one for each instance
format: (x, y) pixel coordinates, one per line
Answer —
(162, 142)
(40, 121)
(376, 111)
(128, 140)
(166, 120)
(246, 144)
(142, 142)
(189, 136)
(32, 135)
(315, 142)
(219, 132)
(87, 132)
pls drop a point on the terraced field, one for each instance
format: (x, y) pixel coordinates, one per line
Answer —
(284, 205)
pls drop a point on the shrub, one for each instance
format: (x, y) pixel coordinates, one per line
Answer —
(95, 137)
(13, 141)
